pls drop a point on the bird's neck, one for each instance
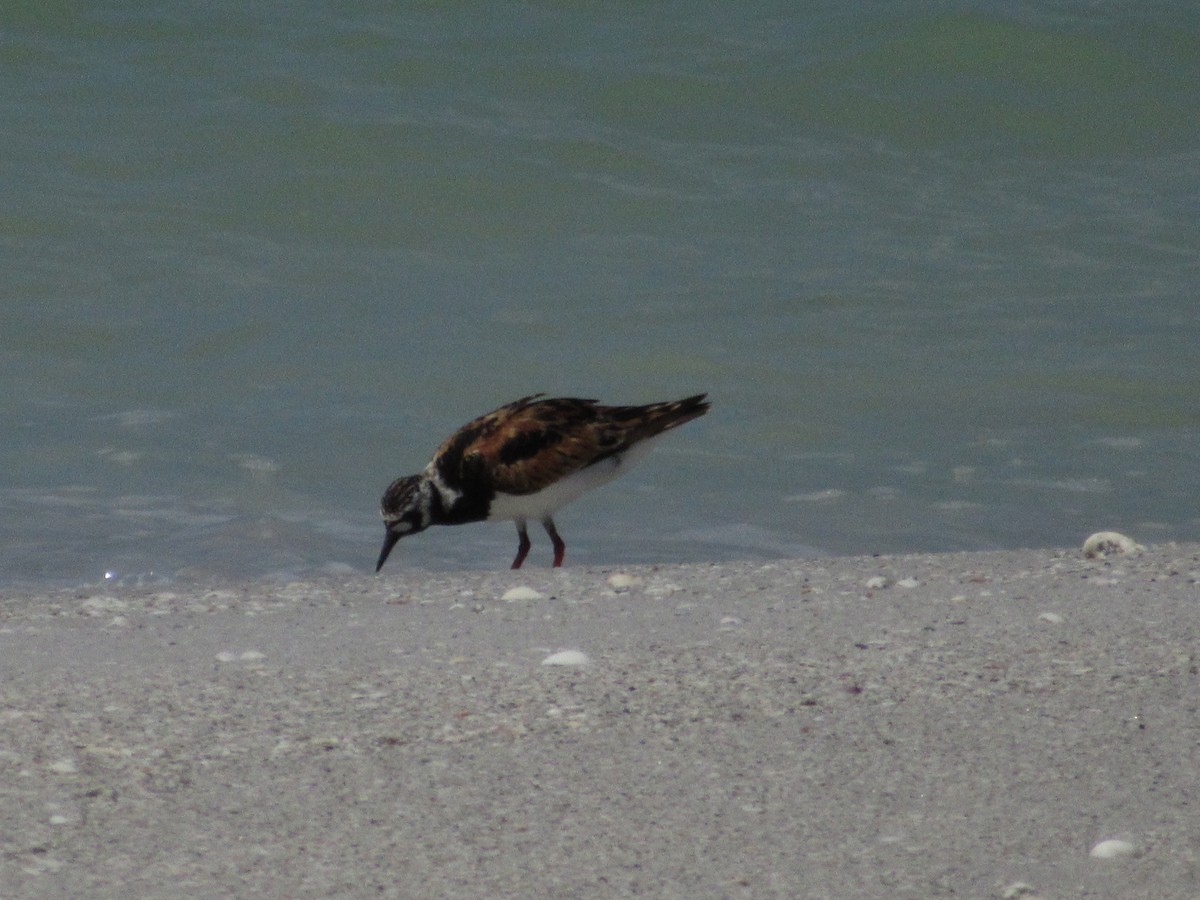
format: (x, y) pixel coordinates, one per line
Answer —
(451, 505)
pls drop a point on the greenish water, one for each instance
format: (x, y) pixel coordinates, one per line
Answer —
(937, 264)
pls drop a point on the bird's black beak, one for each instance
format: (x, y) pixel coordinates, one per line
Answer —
(389, 541)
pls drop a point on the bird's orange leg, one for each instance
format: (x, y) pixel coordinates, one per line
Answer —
(559, 547)
(523, 546)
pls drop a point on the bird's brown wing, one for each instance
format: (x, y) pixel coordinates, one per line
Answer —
(524, 447)
(529, 444)
(480, 429)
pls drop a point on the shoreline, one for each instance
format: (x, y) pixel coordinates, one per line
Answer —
(830, 726)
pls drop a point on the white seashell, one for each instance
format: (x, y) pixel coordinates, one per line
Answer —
(1111, 848)
(522, 593)
(567, 658)
(622, 581)
(1105, 543)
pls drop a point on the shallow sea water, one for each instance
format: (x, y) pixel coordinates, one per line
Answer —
(937, 265)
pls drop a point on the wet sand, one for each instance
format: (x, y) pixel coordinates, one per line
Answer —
(967, 725)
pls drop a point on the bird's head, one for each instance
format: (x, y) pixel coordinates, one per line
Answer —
(405, 509)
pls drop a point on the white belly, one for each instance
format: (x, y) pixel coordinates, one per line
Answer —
(537, 507)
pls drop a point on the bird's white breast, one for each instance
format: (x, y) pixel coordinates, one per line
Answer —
(557, 495)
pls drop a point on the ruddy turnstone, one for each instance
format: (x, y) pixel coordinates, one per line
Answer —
(524, 461)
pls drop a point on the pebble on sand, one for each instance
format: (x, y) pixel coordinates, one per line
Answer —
(567, 658)
(522, 593)
(1111, 849)
(247, 656)
(622, 581)
(1110, 543)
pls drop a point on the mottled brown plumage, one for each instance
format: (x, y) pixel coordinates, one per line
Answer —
(525, 460)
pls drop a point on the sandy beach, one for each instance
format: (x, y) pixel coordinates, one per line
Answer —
(1013, 724)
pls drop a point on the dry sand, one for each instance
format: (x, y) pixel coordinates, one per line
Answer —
(966, 725)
